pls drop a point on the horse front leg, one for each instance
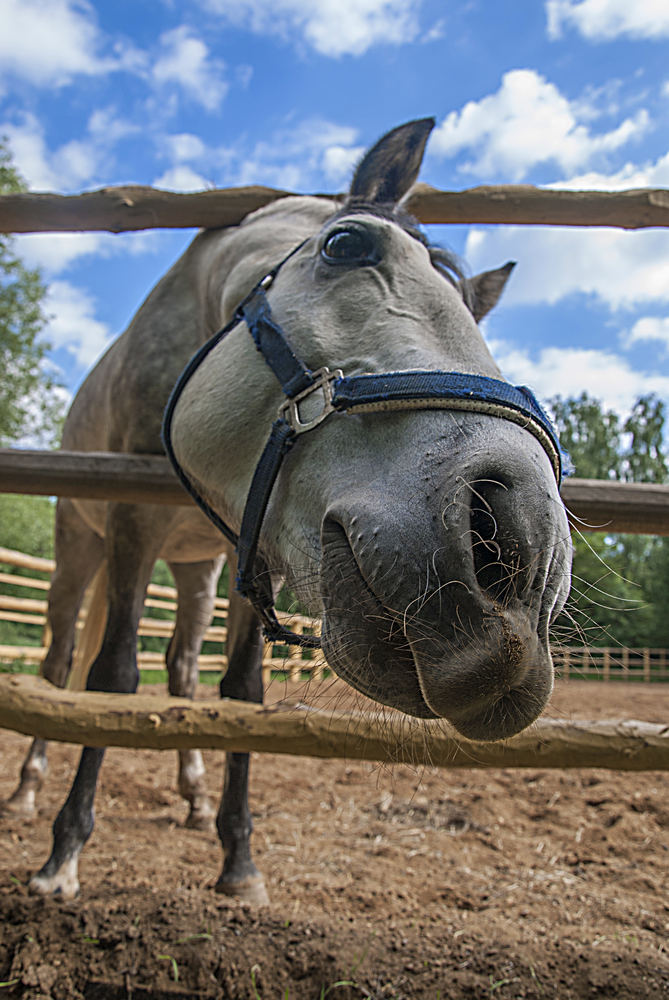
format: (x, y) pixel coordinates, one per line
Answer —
(79, 551)
(243, 680)
(196, 586)
(132, 546)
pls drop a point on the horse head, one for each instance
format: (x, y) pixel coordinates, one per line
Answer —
(432, 541)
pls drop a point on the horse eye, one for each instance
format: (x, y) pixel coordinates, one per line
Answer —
(348, 246)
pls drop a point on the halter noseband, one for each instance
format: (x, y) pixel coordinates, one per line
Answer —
(338, 393)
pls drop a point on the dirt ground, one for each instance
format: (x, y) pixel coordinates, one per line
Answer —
(385, 881)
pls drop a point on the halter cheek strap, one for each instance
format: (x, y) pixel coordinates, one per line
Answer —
(311, 397)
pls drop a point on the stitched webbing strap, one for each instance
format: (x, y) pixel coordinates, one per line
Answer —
(451, 390)
(270, 340)
(255, 586)
(166, 431)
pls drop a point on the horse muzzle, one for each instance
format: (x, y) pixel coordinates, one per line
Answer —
(441, 606)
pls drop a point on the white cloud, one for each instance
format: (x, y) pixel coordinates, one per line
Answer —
(602, 20)
(183, 146)
(300, 157)
(181, 178)
(526, 122)
(435, 33)
(54, 253)
(51, 41)
(338, 161)
(332, 27)
(621, 269)
(72, 324)
(29, 153)
(654, 329)
(73, 165)
(283, 176)
(570, 371)
(185, 61)
(107, 128)
(631, 175)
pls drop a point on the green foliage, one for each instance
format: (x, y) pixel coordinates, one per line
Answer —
(29, 398)
(601, 448)
(620, 582)
(26, 524)
(645, 459)
(657, 570)
(591, 436)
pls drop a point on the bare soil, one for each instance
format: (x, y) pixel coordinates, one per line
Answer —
(385, 882)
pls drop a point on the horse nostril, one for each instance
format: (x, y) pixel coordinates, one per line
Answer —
(500, 565)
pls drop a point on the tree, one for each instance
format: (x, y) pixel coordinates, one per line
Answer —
(620, 582)
(29, 398)
(591, 436)
(644, 457)
(658, 577)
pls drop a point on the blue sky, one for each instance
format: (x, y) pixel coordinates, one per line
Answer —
(214, 93)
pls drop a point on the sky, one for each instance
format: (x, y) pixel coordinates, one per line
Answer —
(193, 94)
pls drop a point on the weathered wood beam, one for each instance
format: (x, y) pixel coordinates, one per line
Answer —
(601, 505)
(124, 209)
(121, 209)
(594, 505)
(32, 706)
(92, 475)
(522, 204)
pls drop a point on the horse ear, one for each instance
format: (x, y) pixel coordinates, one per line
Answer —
(388, 169)
(483, 291)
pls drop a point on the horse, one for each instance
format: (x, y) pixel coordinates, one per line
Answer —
(419, 516)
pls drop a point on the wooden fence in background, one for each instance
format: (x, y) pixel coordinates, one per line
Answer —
(610, 663)
(575, 662)
(31, 611)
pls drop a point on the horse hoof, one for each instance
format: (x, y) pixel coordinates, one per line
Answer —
(63, 884)
(249, 890)
(201, 819)
(19, 804)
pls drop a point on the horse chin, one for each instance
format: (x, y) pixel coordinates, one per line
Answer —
(376, 667)
(488, 686)
(494, 687)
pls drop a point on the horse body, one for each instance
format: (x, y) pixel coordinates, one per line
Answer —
(119, 408)
(434, 544)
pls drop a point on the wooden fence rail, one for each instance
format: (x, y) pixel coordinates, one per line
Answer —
(121, 209)
(32, 706)
(594, 505)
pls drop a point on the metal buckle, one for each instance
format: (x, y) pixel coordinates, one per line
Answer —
(290, 410)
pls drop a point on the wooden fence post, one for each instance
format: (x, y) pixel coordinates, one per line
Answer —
(606, 663)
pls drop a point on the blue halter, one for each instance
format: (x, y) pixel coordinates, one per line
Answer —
(335, 393)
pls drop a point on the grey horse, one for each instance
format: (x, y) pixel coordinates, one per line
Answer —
(433, 542)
